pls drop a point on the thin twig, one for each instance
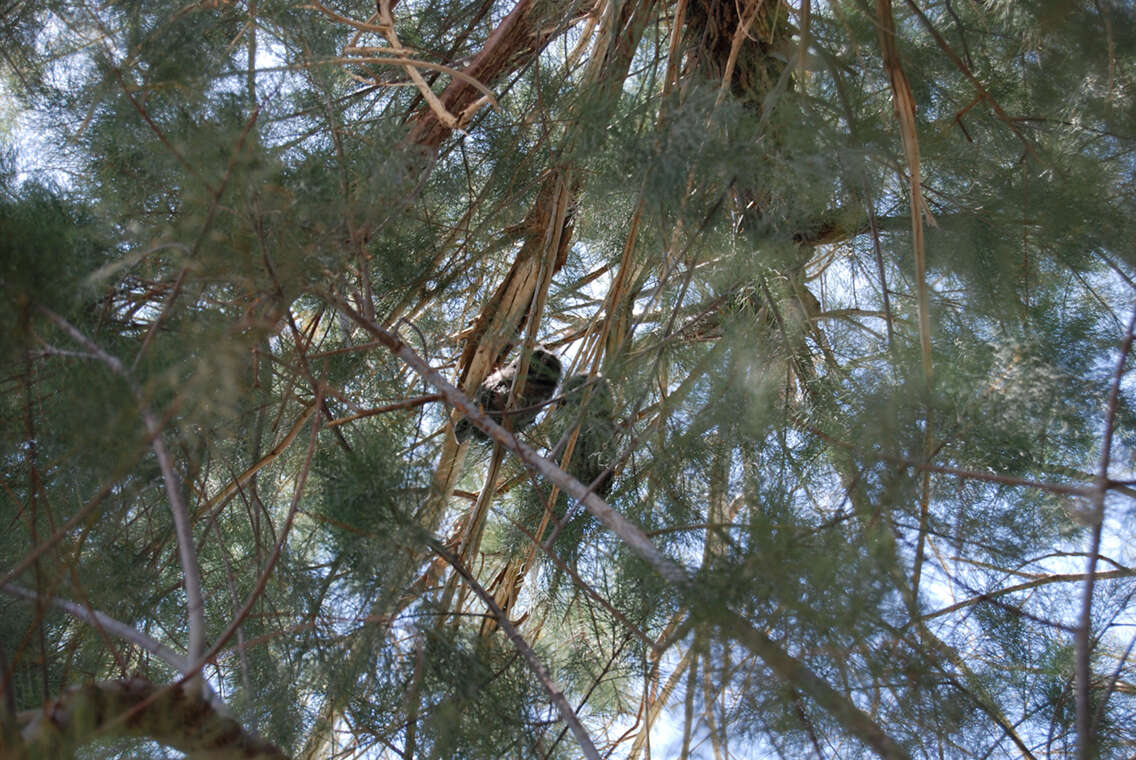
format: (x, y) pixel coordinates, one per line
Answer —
(360, 25)
(395, 406)
(262, 581)
(64, 530)
(1044, 580)
(988, 477)
(260, 464)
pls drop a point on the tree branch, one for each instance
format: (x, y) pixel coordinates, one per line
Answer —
(176, 717)
(109, 624)
(788, 668)
(195, 604)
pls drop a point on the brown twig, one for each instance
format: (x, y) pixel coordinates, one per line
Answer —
(1045, 580)
(988, 477)
(904, 103)
(410, 403)
(961, 65)
(260, 464)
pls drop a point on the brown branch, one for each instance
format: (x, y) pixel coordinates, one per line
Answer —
(176, 717)
(126, 90)
(130, 715)
(514, 36)
(262, 581)
(904, 103)
(589, 590)
(64, 530)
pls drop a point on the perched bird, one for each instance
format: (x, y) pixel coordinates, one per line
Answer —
(587, 403)
(528, 400)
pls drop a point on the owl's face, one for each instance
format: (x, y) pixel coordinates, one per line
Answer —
(540, 385)
(544, 364)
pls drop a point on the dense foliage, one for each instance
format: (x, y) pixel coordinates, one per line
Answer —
(842, 294)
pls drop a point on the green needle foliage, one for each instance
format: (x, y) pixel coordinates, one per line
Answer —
(891, 448)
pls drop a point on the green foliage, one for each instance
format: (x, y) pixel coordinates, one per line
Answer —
(366, 507)
(879, 450)
(49, 249)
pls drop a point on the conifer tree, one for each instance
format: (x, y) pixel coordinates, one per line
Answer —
(841, 295)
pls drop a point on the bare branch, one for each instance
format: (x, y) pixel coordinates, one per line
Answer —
(195, 604)
(109, 624)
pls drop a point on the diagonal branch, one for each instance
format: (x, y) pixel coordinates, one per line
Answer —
(236, 483)
(983, 93)
(787, 667)
(285, 530)
(107, 623)
(527, 653)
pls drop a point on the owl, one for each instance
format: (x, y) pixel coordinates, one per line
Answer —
(493, 394)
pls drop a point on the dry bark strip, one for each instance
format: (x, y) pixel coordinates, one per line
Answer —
(616, 40)
(502, 319)
(516, 41)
